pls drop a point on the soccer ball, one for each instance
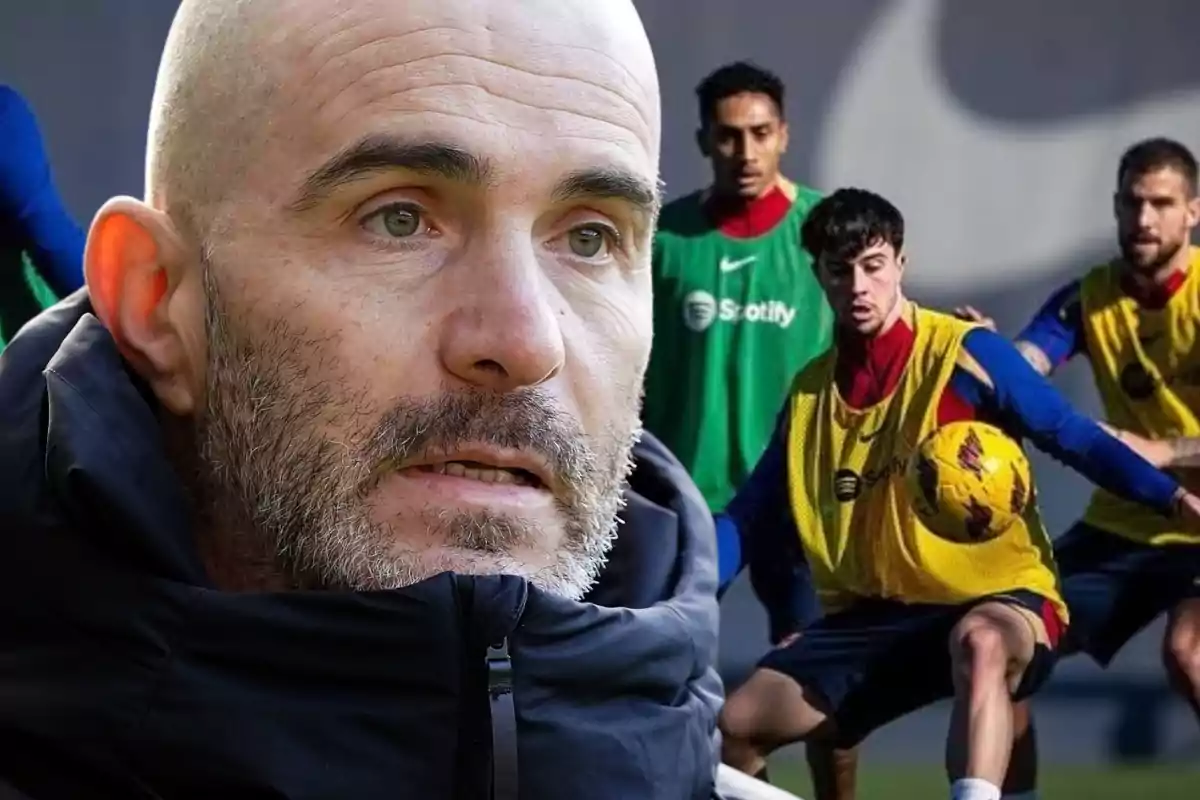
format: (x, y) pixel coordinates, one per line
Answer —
(968, 482)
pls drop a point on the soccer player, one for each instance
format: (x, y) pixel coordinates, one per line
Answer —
(909, 618)
(1134, 319)
(737, 310)
(41, 247)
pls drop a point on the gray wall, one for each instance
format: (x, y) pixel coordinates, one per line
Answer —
(995, 127)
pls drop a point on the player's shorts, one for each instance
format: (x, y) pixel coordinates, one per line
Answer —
(1114, 587)
(881, 659)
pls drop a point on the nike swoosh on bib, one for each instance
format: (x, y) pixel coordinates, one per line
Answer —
(728, 265)
(945, 145)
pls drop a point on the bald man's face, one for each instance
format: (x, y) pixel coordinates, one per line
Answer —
(427, 306)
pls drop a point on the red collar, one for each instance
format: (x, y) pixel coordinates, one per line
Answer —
(1154, 295)
(747, 220)
(868, 370)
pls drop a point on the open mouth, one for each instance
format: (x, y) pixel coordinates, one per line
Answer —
(485, 473)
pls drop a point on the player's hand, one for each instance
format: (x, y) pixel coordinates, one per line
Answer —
(972, 314)
(1158, 452)
(1188, 506)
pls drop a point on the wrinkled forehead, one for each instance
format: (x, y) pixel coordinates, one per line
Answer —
(536, 89)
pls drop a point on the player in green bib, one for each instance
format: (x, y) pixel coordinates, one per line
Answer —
(737, 309)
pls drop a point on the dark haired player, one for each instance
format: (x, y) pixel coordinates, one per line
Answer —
(909, 618)
(737, 309)
(1135, 319)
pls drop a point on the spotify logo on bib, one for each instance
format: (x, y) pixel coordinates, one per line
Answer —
(699, 310)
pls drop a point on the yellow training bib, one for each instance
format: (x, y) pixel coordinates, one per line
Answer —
(846, 482)
(1149, 383)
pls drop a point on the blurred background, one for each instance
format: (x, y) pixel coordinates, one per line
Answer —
(996, 127)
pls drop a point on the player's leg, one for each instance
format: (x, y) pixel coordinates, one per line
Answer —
(1020, 782)
(768, 711)
(991, 648)
(1114, 588)
(833, 770)
(1181, 651)
(799, 690)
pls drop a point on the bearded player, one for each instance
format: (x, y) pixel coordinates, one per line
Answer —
(1135, 319)
(908, 618)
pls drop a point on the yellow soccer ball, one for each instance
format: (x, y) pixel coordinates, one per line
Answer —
(968, 482)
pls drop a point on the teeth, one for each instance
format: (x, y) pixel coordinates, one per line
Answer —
(458, 469)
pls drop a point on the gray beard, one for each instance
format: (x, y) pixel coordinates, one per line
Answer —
(271, 489)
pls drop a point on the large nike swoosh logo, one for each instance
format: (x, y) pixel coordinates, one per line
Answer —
(729, 265)
(893, 126)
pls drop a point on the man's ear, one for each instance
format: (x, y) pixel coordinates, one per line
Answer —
(133, 263)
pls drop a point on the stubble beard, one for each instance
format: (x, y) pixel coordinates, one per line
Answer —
(271, 489)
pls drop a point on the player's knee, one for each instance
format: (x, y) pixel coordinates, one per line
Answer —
(741, 718)
(982, 655)
(769, 711)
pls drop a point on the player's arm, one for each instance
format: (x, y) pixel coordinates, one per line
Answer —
(1026, 403)
(1055, 333)
(30, 205)
(1180, 452)
(1052, 337)
(757, 530)
(1184, 452)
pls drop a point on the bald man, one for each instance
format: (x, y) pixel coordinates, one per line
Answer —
(314, 493)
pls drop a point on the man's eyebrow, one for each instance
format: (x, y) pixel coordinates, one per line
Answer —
(610, 183)
(376, 154)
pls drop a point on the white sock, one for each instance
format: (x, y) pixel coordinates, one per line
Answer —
(974, 789)
(1030, 795)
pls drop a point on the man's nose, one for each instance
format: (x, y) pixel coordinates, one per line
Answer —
(1145, 218)
(858, 282)
(504, 332)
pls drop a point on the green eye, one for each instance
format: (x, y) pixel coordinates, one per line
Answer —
(400, 221)
(587, 242)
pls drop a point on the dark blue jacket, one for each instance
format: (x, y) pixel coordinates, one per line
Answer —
(124, 673)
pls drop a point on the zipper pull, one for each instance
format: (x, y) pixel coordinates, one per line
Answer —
(504, 722)
(499, 669)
